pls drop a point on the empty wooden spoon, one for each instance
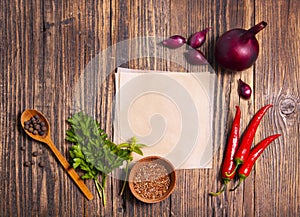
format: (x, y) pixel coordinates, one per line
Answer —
(26, 116)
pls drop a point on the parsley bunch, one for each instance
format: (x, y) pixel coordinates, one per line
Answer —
(95, 154)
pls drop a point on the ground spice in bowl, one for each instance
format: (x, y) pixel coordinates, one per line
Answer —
(152, 179)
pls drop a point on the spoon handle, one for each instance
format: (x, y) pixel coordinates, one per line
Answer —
(69, 169)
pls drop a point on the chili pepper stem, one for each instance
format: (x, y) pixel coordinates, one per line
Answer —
(219, 192)
(238, 162)
(230, 174)
(241, 179)
(226, 181)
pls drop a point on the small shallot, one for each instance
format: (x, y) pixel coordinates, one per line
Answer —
(174, 41)
(198, 38)
(244, 90)
(195, 57)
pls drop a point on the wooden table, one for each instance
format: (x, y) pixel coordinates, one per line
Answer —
(45, 48)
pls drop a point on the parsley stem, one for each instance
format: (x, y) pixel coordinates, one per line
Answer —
(126, 177)
(98, 186)
(104, 176)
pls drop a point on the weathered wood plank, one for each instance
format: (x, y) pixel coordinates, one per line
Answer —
(202, 15)
(18, 59)
(56, 192)
(277, 81)
(150, 24)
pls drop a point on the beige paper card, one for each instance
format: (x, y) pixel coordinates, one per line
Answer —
(170, 112)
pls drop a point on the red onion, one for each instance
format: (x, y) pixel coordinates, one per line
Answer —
(195, 57)
(198, 38)
(237, 49)
(174, 41)
(244, 90)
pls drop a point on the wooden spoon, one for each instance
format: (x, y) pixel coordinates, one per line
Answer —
(26, 116)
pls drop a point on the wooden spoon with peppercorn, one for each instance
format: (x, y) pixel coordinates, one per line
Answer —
(37, 127)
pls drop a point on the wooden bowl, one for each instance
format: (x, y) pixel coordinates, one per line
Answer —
(152, 179)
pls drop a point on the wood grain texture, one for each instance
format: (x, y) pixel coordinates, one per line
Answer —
(278, 73)
(59, 57)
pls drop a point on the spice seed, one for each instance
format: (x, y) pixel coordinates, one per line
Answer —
(152, 181)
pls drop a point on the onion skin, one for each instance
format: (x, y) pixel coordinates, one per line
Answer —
(238, 49)
(175, 41)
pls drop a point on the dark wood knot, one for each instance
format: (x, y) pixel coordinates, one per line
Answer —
(287, 106)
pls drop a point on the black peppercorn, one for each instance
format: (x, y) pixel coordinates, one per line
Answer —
(35, 126)
(42, 164)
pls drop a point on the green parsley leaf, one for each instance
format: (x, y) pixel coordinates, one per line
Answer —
(94, 153)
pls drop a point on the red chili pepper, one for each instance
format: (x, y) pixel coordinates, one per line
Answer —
(244, 149)
(246, 168)
(232, 145)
